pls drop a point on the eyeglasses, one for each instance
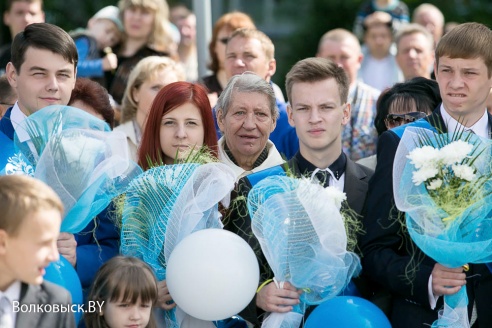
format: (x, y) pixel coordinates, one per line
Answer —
(399, 119)
(223, 40)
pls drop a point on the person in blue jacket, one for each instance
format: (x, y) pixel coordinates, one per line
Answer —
(251, 50)
(43, 71)
(104, 31)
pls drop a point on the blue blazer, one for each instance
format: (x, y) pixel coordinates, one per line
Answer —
(6, 124)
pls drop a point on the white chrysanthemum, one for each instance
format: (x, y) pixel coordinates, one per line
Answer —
(455, 152)
(435, 184)
(464, 172)
(424, 174)
(424, 157)
(335, 195)
(80, 149)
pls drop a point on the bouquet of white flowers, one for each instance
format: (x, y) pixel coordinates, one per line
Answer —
(443, 184)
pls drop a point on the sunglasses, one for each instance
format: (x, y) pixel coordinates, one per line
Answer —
(223, 40)
(399, 119)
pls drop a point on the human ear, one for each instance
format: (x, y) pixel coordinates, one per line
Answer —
(220, 120)
(3, 241)
(289, 116)
(346, 114)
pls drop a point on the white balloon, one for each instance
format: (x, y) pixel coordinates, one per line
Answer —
(212, 274)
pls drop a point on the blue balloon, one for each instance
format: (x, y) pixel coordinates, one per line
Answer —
(350, 290)
(62, 273)
(347, 312)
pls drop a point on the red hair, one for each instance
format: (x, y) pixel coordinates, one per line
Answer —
(170, 97)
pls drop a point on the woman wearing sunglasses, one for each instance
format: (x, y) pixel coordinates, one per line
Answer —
(404, 103)
(223, 28)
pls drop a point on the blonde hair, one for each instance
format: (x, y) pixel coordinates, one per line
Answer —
(20, 196)
(160, 38)
(468, 41)
(145, 70)
(340, 35)
(249, 33)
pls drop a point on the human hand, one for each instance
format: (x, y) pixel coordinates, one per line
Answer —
(273, 299)
(110, 62)
(164, 299)
(67, 246)
(446, 281)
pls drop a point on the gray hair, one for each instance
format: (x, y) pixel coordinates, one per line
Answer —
(410, 29)
(247, 82)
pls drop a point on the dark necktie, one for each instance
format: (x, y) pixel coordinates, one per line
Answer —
(323, 177)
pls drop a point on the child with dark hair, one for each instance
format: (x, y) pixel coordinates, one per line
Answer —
(126, 290)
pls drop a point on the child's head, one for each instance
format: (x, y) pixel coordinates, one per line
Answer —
(106, 27)
(29, 227)
(128, 288)
(378, 34)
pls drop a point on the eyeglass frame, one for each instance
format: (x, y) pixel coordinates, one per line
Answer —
(404, 118)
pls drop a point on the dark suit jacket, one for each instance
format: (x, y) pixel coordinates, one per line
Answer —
(238, 219)
(46, 293)
(391, 259)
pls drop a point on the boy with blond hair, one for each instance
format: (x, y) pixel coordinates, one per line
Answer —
(29, 228)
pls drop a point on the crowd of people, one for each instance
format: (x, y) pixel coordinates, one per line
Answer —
(134, 66)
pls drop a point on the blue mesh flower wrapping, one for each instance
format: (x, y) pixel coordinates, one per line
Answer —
(459, 230)
(78, 156)
(302, 235)
(167, 203)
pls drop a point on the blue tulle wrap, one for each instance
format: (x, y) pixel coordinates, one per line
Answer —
(78, 156)
(302, 235)
(167, 203)
(466, 239)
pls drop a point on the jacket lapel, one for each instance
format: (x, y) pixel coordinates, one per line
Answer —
(355, 188)
(30, 295)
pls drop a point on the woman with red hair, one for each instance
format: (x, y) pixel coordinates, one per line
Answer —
(179, 120)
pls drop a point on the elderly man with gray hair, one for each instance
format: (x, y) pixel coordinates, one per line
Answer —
(246, 115)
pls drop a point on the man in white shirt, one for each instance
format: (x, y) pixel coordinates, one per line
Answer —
(464, 73)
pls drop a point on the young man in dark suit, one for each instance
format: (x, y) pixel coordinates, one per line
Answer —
(29, 228)
(317, 90)
(417, 283)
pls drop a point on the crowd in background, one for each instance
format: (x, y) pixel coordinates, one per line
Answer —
(137, 70)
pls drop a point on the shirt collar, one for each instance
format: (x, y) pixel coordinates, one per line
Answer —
(480, 128)
(307, 168)
(12, 292)
(16, 117)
